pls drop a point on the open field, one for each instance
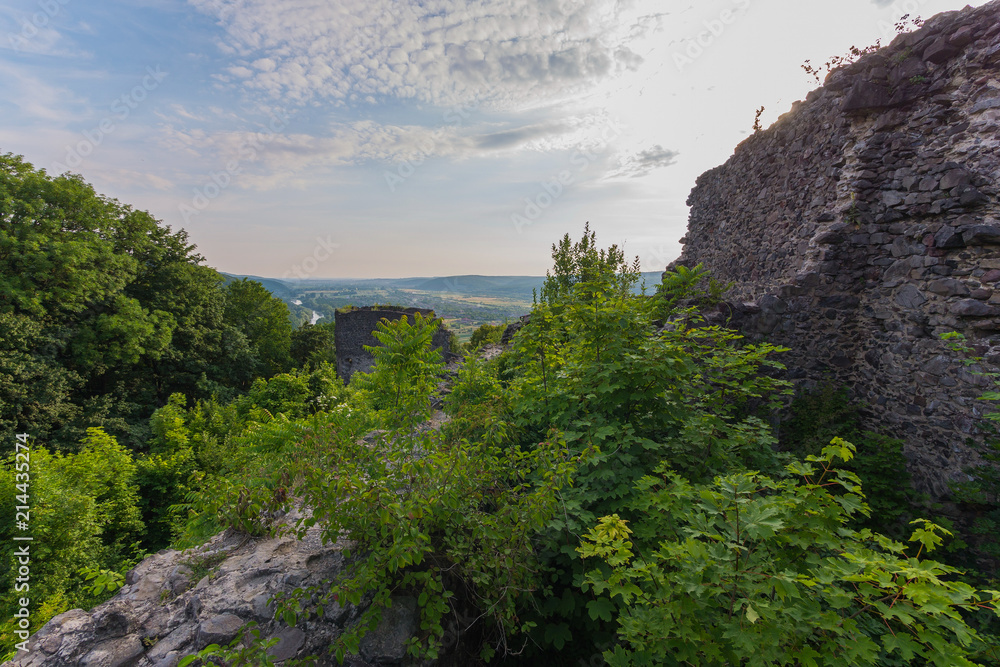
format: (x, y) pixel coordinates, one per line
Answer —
(463, 302)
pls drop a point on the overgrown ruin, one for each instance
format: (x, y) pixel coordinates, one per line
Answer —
(353, 331)
(864, 224)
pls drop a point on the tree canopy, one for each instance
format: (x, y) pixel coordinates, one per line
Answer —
(105, 312)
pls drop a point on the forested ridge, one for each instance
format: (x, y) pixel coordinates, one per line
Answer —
(613, 488)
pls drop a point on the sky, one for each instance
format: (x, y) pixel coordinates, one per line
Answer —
(395, 138)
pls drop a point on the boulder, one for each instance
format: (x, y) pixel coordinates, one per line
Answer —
(158, 618)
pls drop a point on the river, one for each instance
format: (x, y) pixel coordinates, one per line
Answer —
(315, 317)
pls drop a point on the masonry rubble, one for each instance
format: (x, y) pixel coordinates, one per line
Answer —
(353, 331)
(864, 224)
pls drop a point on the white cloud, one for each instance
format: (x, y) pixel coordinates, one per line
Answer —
(512, 53)
(644, 162)
(287, 154)
(36, 99)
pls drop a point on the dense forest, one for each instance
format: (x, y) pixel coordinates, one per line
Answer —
(614, 488)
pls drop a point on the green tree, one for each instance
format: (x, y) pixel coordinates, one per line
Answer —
(264, 320)
(36, 390)
(486, 334)
(84, 515)
(104, 313)
(405, 371)
(313, 344)
(753, 570)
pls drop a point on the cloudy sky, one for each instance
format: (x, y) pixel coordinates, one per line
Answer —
(390, 138)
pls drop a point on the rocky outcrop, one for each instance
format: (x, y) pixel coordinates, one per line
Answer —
(865, 223)
(177, 602)
(353, 331)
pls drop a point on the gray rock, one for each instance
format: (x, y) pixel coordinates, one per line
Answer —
(948, 287)
(772, 303)
(891, 198)
(954, 178)
(939, 365)
(981, 234)
(902, 247)
(973, 308)
(941, 51)
(112, 622)
(985, 105)
(829, 238)
(169, 626)
(387, 643)
(180, 637)
(928, 184)
(909, 296)
(972, 197)
(962, 36)
(906, 70)
(179, 579)
(290, 640)
(867, 95)
(948, 237)
(116, 653)
(219, 629)
(262, 608)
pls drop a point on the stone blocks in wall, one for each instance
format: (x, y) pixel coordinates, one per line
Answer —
(865, 223)
(353, 330)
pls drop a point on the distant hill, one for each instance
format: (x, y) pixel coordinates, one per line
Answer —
(510, 287)
(280, 289)
(506, 286)
(464, 302)
(490, 286)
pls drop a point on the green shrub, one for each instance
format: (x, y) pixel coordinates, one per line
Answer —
(486, 334)
(83, 517)
(826, 412)
(405, 371)
(756, 570)
(452, 524)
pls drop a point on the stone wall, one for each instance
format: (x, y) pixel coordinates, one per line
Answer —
(865, 223)
(354, 329)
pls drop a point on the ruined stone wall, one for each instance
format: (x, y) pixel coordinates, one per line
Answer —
(865, 223)
(354, 329)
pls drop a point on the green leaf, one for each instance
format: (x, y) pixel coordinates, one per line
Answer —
(600, 608)
(558, 634)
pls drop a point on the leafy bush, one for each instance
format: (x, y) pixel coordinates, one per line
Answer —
(405, 371)
(826, 412)
(448, 520)
(84, 517)
(486, 334)
(755, 570)
(450, 524)
(313, 344)
(597, 364)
